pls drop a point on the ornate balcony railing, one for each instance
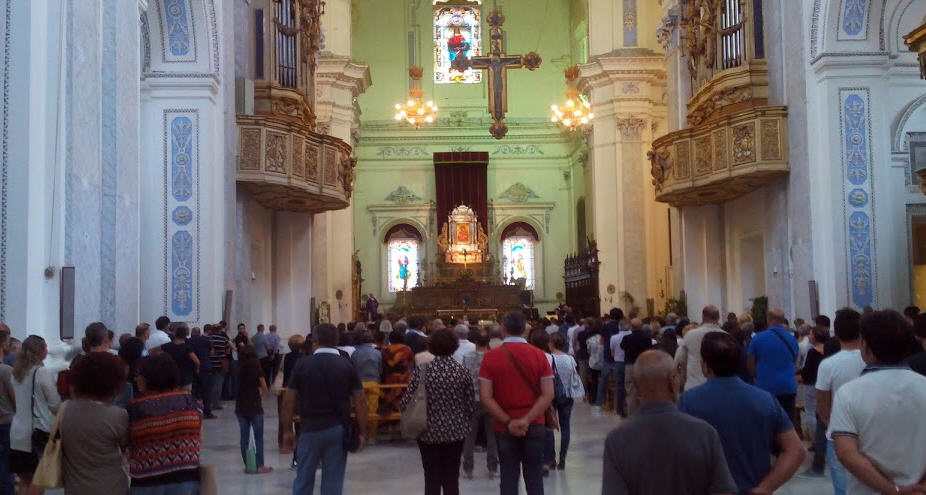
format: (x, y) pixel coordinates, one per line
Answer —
(287, 166)
(721, 159)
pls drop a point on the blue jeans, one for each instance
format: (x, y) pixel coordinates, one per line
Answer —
(246, 424)
(517, 452)
(607, 368)
(183, 488)
(837, 471)
(6, 477)
(216, 379)
(549, 450)
(325, 447)
(620, 394)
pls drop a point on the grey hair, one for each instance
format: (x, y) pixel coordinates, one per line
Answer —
(462, 331)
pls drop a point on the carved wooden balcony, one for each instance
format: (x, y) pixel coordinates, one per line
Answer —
(721, 159)
(287, 166)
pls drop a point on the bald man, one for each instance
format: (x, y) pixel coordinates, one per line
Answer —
(772, 356)
(659, 449)
(688, 355)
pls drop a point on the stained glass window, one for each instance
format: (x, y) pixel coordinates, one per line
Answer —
(518, 255)
(456, 34)
(403, 264)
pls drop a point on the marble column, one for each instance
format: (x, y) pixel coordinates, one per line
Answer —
(626, 90)
(338, 82)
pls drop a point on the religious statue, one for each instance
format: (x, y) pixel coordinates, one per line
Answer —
(457, 45)
(443, 242)
(468, 242)
(372, 307)
(404, 273)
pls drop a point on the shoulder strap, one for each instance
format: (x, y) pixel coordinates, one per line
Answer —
(785, 342)
(32, 406)
(531, 385)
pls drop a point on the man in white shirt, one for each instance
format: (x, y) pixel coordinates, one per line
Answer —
(465, 346)
(158, 336)
(571, 340)
(877, 423)
(619, 368)
(834, 372)
(688, 355)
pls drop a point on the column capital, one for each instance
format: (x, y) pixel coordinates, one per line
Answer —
(630, 126)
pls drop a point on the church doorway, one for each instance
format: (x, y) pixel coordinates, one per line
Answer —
(751, 254)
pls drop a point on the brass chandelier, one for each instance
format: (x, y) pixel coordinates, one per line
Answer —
(416, 111)
(576, 111)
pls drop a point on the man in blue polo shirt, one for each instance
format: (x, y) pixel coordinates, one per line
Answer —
(749, 420)
(772, 355)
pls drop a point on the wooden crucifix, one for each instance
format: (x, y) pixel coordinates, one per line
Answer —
(498, 63)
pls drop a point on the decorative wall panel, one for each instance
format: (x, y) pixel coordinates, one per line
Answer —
(4, 152)
(181, 214)
(630, 22)
(856, 154)
(177, 31)
(853, 20)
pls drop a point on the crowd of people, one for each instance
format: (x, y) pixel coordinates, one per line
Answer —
(710, 407)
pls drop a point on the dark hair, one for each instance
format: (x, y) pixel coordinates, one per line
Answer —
(721, 353)
(345, 339)
(540, 339)
(443, 342)
(911, 311)
(846, 325)
(514, 323)
(98, 375)
(241, 325)
(558, 340)
(141, 329)
(479, 337)
(822, 321)
(162, 322)
(326, 335)
(668, 341)
(260, 326)
(362, 337)
(207, 329)
(616, 314)
(416, 322)
(94, 335)
(919, 326)
(160, 373)
(396, 337)
(570, 319)
(180, 330)
(820, 334)
(248, 364)
(887, 335)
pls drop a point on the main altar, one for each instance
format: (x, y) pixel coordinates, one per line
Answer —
(467, 281)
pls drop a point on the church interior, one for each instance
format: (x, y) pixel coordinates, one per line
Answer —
(291, 161)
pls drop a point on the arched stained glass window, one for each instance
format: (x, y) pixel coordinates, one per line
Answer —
(402, 245)
(456, 34)
(518, 246)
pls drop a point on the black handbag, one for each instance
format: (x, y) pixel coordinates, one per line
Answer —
(39, 437)
(351, 434)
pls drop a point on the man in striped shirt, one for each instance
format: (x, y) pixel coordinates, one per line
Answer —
(221, 349)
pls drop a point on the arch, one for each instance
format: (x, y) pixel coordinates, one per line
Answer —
(180, 38)
(508, 221)
(899, 18)
(897, 132)
(519, 229)
(402, 231)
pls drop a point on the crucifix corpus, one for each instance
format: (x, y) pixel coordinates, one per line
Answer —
(498, 63)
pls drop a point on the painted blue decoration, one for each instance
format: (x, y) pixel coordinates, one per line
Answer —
(853, 16)
(630, 22)
(858, 198)
(182, 215)
(181, 271)
(860, 258)
(4, 152)
(857, 157)
(178, 34)
(181, 151)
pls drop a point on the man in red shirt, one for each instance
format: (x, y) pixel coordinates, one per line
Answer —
(516, 387)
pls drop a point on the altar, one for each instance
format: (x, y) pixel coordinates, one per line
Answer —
(466, 281)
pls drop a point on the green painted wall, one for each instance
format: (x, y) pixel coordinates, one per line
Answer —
(535, 153)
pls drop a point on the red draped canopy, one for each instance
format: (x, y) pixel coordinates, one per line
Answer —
(460, 177)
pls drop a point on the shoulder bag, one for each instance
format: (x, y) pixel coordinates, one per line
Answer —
(39, 436)
(48, 473)
(351, 438)
(785, 342)
(559, 389)
(415, 417)
(549, 416)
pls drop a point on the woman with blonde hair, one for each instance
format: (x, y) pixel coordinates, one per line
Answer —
(37, 395)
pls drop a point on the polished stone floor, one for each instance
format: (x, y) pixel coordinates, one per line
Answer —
(395, 468)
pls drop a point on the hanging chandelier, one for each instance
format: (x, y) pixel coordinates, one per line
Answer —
(416, 111)
(576, 112)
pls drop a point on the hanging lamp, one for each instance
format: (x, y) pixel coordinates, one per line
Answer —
(416, 110)
(576, 111)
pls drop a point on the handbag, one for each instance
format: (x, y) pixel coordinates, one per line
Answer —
(351, 433)
(549, 416)
(415, 417)
(48, 473)
(559, 389)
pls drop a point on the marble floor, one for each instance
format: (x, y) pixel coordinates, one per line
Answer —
(394, 468)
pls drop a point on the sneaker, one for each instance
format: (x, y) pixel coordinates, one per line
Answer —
(811, 473)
